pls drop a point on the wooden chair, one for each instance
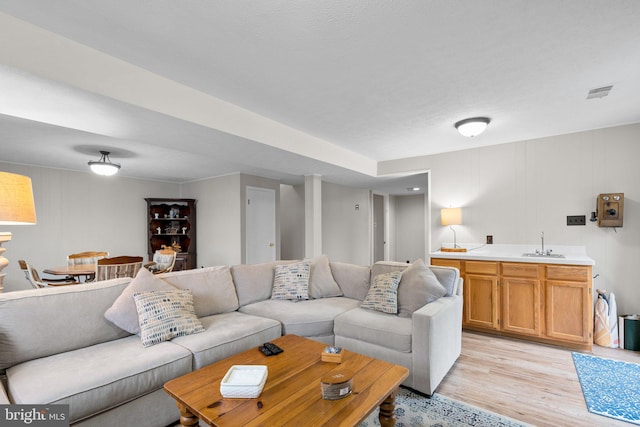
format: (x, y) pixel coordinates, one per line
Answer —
(89, 257)
(163, 261)
(120, 266)
(32, 276)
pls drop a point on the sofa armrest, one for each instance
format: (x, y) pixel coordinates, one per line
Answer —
(436, 341)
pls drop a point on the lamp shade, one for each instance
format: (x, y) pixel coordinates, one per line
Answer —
(451, 216)
(16, 200)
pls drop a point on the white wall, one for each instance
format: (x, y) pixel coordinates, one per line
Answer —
(219, 219)
(409, 227)
(346, 232)
(514, 191)
(77, 212)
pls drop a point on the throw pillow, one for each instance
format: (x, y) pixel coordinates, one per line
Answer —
(164, 315)
(212, 288)
(418, 286)
(383, 294)
(321, 283)
(123, 312)
(291, 281)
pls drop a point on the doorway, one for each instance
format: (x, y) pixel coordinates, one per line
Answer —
(378, 228)
(260, 225)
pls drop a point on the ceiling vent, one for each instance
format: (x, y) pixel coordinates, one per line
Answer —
(599, 92)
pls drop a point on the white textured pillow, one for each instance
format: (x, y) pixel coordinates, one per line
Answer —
(123, 312)
(291, 281)
(383, 294)
(164, 315)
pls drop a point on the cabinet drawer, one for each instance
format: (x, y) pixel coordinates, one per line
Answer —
(570, 273)
(443, 262)
(519, 269)
(481, 267)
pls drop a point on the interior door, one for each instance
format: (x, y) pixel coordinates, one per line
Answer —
(378, 228)
(260, 225)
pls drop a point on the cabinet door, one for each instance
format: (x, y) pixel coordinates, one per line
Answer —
(567, 310)
(521, 305)
(481, 301)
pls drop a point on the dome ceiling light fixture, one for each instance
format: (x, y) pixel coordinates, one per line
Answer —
(472, 127)
(104, 166)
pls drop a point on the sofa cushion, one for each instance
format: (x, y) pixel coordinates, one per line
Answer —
(354, 280)
(291, 281)
(254, 282)
(418, 286)
(123, 312)
(383, 294)
(212, 288)
(41, 322)
(375, 327)
(448, 277)
(164, 315)
(381, 267)
(321, 281)
(305, 318)
(97, 378)
(228, 334)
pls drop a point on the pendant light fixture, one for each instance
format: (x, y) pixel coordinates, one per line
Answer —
(104, 166)
(472, 127)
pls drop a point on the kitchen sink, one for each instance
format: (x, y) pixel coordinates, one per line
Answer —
(539, 255)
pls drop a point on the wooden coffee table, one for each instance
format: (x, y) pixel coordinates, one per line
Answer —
(292, 394)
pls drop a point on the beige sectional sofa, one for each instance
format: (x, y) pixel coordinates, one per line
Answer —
(73, 345)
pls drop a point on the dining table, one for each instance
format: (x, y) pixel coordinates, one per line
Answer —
(76, 270)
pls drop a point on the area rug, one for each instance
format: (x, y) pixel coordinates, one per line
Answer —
(413, 410)
(610, 387)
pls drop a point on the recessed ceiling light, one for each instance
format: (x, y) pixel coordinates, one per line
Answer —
(413, 189)
(473, 126)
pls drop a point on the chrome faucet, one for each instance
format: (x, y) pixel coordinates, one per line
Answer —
(542, 251)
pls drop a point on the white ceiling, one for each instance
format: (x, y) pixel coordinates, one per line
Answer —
(335, 86)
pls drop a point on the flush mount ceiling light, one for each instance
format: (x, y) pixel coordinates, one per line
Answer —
(104, 165)
(472, 127)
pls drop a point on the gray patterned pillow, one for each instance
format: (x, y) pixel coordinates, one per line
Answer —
(164, 315)
(291, 281)
(383, 294)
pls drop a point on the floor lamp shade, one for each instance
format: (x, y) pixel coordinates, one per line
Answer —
(16, 207)
(16, 200)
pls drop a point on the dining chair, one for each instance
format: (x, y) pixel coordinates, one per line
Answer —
(32, 276)
(88, 257)
(163, 261)
(120, 266)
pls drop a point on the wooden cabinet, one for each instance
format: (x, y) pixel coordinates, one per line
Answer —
(568, 298)
(521, 293)
(172, 223)
(480, 296)
(541, 302)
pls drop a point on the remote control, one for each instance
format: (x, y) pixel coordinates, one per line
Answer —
(270, 349)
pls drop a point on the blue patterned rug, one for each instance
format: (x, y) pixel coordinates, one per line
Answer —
(413, 410)
(610, 387)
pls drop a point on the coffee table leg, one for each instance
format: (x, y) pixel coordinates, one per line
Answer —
(387, 414)
(186, 417)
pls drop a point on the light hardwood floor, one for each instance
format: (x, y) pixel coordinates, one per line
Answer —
(533, 383)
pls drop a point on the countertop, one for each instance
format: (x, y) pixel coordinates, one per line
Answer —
(574, 255)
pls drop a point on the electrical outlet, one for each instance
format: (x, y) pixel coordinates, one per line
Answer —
(576, 220)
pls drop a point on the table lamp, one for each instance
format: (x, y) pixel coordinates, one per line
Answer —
(16, 207)
(451, 217)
